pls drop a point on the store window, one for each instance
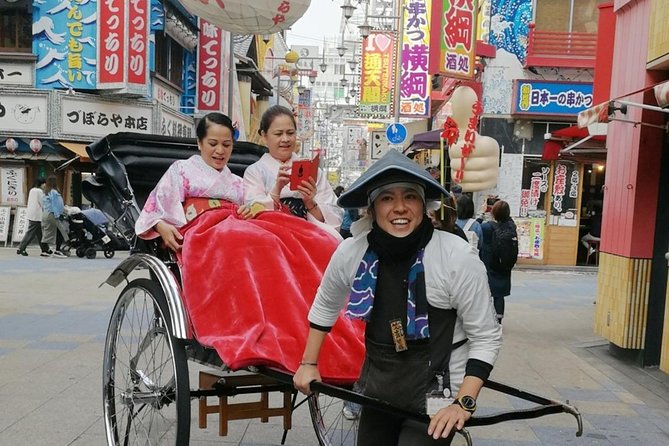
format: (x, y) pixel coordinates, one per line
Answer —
(567, 15)
(169, 59)
(15, 30)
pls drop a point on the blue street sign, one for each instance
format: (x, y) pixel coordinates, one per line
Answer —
(396, 133)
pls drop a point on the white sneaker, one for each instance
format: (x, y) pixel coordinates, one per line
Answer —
(45, 254)
(349, 414)
(591, 251)
(59, 254)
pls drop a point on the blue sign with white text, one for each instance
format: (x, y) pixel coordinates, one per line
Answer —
(551, 97)
(396, 133)
(64, 39)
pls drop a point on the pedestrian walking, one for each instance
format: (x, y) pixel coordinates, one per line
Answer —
(52, 209)
(34, 215)
(499, 252)
(431, 335)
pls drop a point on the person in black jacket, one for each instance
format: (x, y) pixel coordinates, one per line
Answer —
(498, 280)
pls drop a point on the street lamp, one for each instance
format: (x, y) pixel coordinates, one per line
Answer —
(323, 66)
(312, 76)
(365, 29)
(343, 81)
(347, 9)
(353, 63)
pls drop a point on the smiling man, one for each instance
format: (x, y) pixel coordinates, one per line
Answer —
(431, 335)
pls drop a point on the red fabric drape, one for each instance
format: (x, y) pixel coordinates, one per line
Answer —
(248, 286)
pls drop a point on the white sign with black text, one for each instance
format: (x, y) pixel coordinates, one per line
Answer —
(99, 118)
(20, 224)
(176, 124)
(13, 73)
(11, 186)
(166, 95)
(5, 212)
(23, 113)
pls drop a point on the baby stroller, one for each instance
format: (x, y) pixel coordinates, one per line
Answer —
(89, 232)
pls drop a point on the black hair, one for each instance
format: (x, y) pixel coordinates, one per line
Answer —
(212, 118)
(271, 114)
(51, 183)
(38, 182)
(465, 207)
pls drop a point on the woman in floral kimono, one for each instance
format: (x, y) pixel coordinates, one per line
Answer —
(201, 176)
(247, 282)
(266, 180)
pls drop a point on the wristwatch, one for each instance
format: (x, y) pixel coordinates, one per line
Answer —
(467, 402)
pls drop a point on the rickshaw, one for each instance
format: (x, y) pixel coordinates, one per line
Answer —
(150, 341)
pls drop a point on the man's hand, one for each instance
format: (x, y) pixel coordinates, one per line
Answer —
(304, 376)
(448, 418)
(170, 235)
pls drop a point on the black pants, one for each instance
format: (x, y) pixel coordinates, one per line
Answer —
(401, 379)
(34, 230)
(499, 305)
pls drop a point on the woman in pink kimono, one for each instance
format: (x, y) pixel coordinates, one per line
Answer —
(247, 283)
(266, 181)
(201, 176)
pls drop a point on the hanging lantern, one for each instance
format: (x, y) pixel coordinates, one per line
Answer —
(35, 145)
(245, 17)
(11, 145)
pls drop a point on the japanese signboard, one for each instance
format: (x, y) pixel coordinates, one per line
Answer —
(93, 117)
(111, 48)
(65, 45)
(16, 73)
(551, 98)
(210, 92)
(535, 187)
(138, 44)
(166, 95)
(566, 183)
(415, 82)
(20, 224)
(305, 115)
(24, 113)
(11, 186)
(377, 78)
(173, 123)
(458, 38)
(5, 212)
(530, 237)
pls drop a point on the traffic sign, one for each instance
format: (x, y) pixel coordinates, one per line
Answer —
(396, 133)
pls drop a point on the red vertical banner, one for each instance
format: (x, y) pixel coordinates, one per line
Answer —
(111, 43)
(458, 38)
(138, 42)
(209, 68)
(378, 74)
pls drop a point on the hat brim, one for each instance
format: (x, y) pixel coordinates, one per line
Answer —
(392, 167)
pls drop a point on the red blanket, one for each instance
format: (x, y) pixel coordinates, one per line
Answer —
(249, 284)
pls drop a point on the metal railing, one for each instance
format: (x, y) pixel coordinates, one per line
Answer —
(561, 49)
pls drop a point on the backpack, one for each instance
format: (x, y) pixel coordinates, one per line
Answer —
(504, 246)
(472, 236)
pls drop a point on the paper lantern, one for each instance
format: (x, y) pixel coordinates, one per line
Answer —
(249, 17)
(11, 145)
(474, 158)
(35, 145)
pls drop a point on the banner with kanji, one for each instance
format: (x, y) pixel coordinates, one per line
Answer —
(458, 38)
(378, 75)
(415, 82)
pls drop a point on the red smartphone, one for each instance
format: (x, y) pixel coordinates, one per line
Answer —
(302, 170)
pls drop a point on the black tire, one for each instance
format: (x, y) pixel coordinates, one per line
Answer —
(145, 384)
(332, 429)
(109, 253)
(81, 252)
(90, 253)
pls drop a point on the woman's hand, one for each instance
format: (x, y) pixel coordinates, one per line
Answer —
(447, 419)
(170, 235)
(282, 179)
(308, 191)
(304, 376)
(251, 210)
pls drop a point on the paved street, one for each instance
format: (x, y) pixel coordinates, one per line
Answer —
(53, 319)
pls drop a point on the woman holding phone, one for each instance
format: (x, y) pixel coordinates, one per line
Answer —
(268, 180)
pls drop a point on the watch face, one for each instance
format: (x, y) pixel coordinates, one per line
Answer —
(468, 403)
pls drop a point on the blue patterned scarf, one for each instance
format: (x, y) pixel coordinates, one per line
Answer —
(361, 300)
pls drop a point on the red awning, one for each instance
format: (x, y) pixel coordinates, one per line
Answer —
(568, 140)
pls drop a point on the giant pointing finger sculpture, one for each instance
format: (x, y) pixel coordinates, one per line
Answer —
(249, 17)
(474, 158)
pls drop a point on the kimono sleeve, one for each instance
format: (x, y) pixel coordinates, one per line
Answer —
(254, 186)
(327, 201)
(164, 203)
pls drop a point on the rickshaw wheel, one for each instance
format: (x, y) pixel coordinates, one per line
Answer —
(109, 253)
(332, 429)
(80, 251)
(145, 372)
(90, 253)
